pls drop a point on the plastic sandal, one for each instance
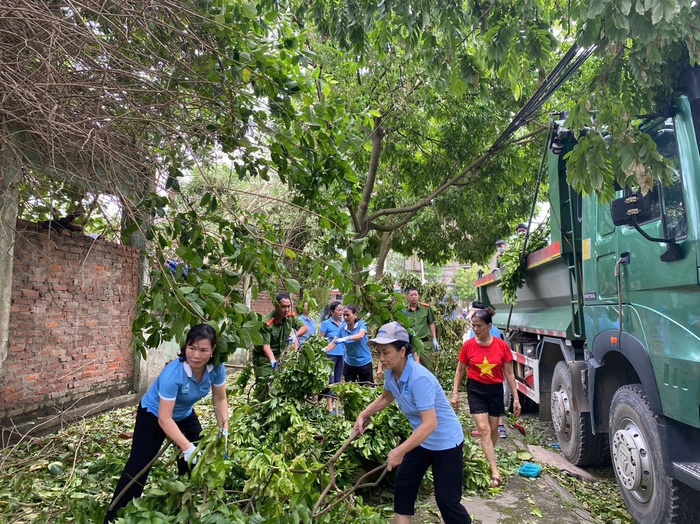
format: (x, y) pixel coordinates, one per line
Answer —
(519, 427)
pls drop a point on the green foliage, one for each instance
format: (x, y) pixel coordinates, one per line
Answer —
(513, 262)
(275, 441)
(463, 283)
(274, 444)
(305, 370)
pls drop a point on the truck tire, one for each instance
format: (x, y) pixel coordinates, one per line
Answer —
(576, 440)
(650, 495)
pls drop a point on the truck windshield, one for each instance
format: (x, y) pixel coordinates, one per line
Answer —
(666, 201)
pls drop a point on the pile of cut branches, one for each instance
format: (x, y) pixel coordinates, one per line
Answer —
(282, 458)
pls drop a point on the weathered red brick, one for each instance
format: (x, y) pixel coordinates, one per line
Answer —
(72, 304)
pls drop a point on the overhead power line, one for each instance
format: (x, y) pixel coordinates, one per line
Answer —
(567, 66)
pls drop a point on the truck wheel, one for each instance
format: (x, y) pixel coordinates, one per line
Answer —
(649, 494)
(578, 444)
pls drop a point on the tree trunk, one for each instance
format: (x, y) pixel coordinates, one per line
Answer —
(384, 248)
(9, 206)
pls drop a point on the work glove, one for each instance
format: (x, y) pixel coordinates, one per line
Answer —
(436, 347)
(224, 433)
(274, 364)
(341, 340)
(188, 453)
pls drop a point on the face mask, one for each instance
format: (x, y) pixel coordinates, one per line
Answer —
(501, 249)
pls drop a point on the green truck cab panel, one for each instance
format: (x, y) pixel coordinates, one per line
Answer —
(661, 299)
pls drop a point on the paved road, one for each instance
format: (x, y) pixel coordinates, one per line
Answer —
(521, 501)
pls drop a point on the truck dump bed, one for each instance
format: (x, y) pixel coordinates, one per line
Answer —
(543, 303)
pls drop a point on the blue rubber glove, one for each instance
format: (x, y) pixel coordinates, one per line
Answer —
(273, 363)
(224, 433)
(341, 340)
(187, 454)
(436, 347)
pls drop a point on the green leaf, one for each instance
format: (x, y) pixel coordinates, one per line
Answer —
(240, 308)
(249, 10)
(207, 289)
(292, 285)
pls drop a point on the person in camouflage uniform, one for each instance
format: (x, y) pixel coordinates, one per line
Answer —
(278, 326)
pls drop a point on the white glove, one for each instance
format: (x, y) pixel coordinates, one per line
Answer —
(341, 340)
(188, 453)
(436, 347)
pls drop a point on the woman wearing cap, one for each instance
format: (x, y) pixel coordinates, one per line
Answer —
(437, 436)
(166, 410)
(488, 362)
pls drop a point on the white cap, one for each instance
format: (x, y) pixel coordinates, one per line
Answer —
(391, 332)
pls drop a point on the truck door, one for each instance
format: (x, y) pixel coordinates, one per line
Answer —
(652, 267)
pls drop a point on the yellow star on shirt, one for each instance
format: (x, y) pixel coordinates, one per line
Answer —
(485, 367)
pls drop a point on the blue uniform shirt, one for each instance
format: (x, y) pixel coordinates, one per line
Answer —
(357, 352)
(331, 329)
(176, 382)
(311, 324)
(418, 390)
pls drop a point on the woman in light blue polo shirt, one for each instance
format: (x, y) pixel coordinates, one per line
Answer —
(358, 357)
(166, 410)
(329, 329)
(437, 436)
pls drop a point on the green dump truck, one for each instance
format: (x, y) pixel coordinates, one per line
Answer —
(606, 330)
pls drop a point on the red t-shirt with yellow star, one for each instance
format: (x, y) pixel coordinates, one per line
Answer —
(485, 363)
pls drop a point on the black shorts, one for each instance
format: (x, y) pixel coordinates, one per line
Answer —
(485, 398)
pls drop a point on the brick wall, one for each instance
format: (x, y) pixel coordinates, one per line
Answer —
(73, 302)
(263, 304)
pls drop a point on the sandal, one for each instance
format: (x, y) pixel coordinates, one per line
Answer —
(496, 482)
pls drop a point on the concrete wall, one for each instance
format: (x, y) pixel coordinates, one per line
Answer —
(73, 303)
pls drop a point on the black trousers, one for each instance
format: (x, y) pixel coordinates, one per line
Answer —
(447, 474)
(363, 374)
(148, 439)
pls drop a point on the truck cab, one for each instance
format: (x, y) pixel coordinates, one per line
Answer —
(606, 330)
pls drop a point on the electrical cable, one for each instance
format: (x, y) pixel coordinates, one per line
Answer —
(567, 66)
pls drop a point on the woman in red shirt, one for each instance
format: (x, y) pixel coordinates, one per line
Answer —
(488, 362)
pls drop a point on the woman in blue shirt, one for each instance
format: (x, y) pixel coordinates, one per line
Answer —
(437, 436)
(306, 319)
(166, 410)
(329, 329)
(358, 357)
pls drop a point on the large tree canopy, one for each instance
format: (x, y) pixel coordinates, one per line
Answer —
(379, 117)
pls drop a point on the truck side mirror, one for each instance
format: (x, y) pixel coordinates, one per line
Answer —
(630, 209)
